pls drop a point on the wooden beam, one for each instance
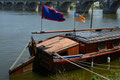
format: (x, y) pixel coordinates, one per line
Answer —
(59, 31)
(23, 67)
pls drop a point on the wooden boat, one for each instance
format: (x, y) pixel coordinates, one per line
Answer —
(58, 52)
(96, 45)
(89, 45)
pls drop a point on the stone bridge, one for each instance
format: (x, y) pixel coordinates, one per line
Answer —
(110, 6)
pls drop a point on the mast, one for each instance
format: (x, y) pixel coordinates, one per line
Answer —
(41, 18)
(74, 25)
(91, 26)
(41, 24)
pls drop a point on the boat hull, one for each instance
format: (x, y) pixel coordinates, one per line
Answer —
(23, 67)
(63, 65)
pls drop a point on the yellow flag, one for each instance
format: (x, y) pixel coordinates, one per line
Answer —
(79, 18)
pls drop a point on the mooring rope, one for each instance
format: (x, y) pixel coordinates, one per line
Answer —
(93, 67)
(19, 56)
(82, 67)
(101, 64)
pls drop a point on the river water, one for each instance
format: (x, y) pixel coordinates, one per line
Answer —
(16, 28)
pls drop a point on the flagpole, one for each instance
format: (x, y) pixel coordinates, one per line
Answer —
(41, 18)
(41, 23)
(74, 25)
(92, 16)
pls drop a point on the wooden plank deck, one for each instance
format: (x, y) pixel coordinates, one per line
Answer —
(57, 43)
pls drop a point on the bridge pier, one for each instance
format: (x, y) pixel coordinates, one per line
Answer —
(1, 5)
(63, 7)
(20, 6)
(31, 6)
(109, 11)
(83, 7)
(111, 6)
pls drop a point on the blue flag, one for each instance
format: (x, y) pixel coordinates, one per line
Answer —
(51, 14)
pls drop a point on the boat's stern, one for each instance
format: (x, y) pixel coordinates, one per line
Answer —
(43, 61)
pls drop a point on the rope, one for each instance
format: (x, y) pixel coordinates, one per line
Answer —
(102, 65)
(19, 56)
(93, 67)
(82, 67)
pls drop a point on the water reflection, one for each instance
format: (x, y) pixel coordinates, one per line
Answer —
(110, 16)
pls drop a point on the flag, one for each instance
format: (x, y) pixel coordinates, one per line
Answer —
(51, 14)
(79, 18)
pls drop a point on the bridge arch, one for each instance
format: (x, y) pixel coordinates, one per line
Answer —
(114, 7)
(9, 5)
(84, 7)
(1, 5)
(65, 6)
(31, 6)
(50, 4)
(20, 6)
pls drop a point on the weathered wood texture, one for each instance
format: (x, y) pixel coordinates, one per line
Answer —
(23, 67)
(94, 46)
(57, 44)
(73, 50)
(43, 61)
(90, 48)
(71, 30)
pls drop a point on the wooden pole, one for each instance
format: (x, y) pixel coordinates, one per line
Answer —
(91, 23)
(73, 30)
(41, 24)
(41, 18)
(74, 25)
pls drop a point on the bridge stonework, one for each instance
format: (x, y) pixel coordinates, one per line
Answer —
(110, 6)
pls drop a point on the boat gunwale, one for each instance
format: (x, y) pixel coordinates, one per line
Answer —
(110, 51)
(25, 63)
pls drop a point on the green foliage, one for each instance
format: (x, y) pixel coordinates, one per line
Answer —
(114, 76)
(98, 7)
(72, 7)
(95, 78)
(66, 76)
(101, 6)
